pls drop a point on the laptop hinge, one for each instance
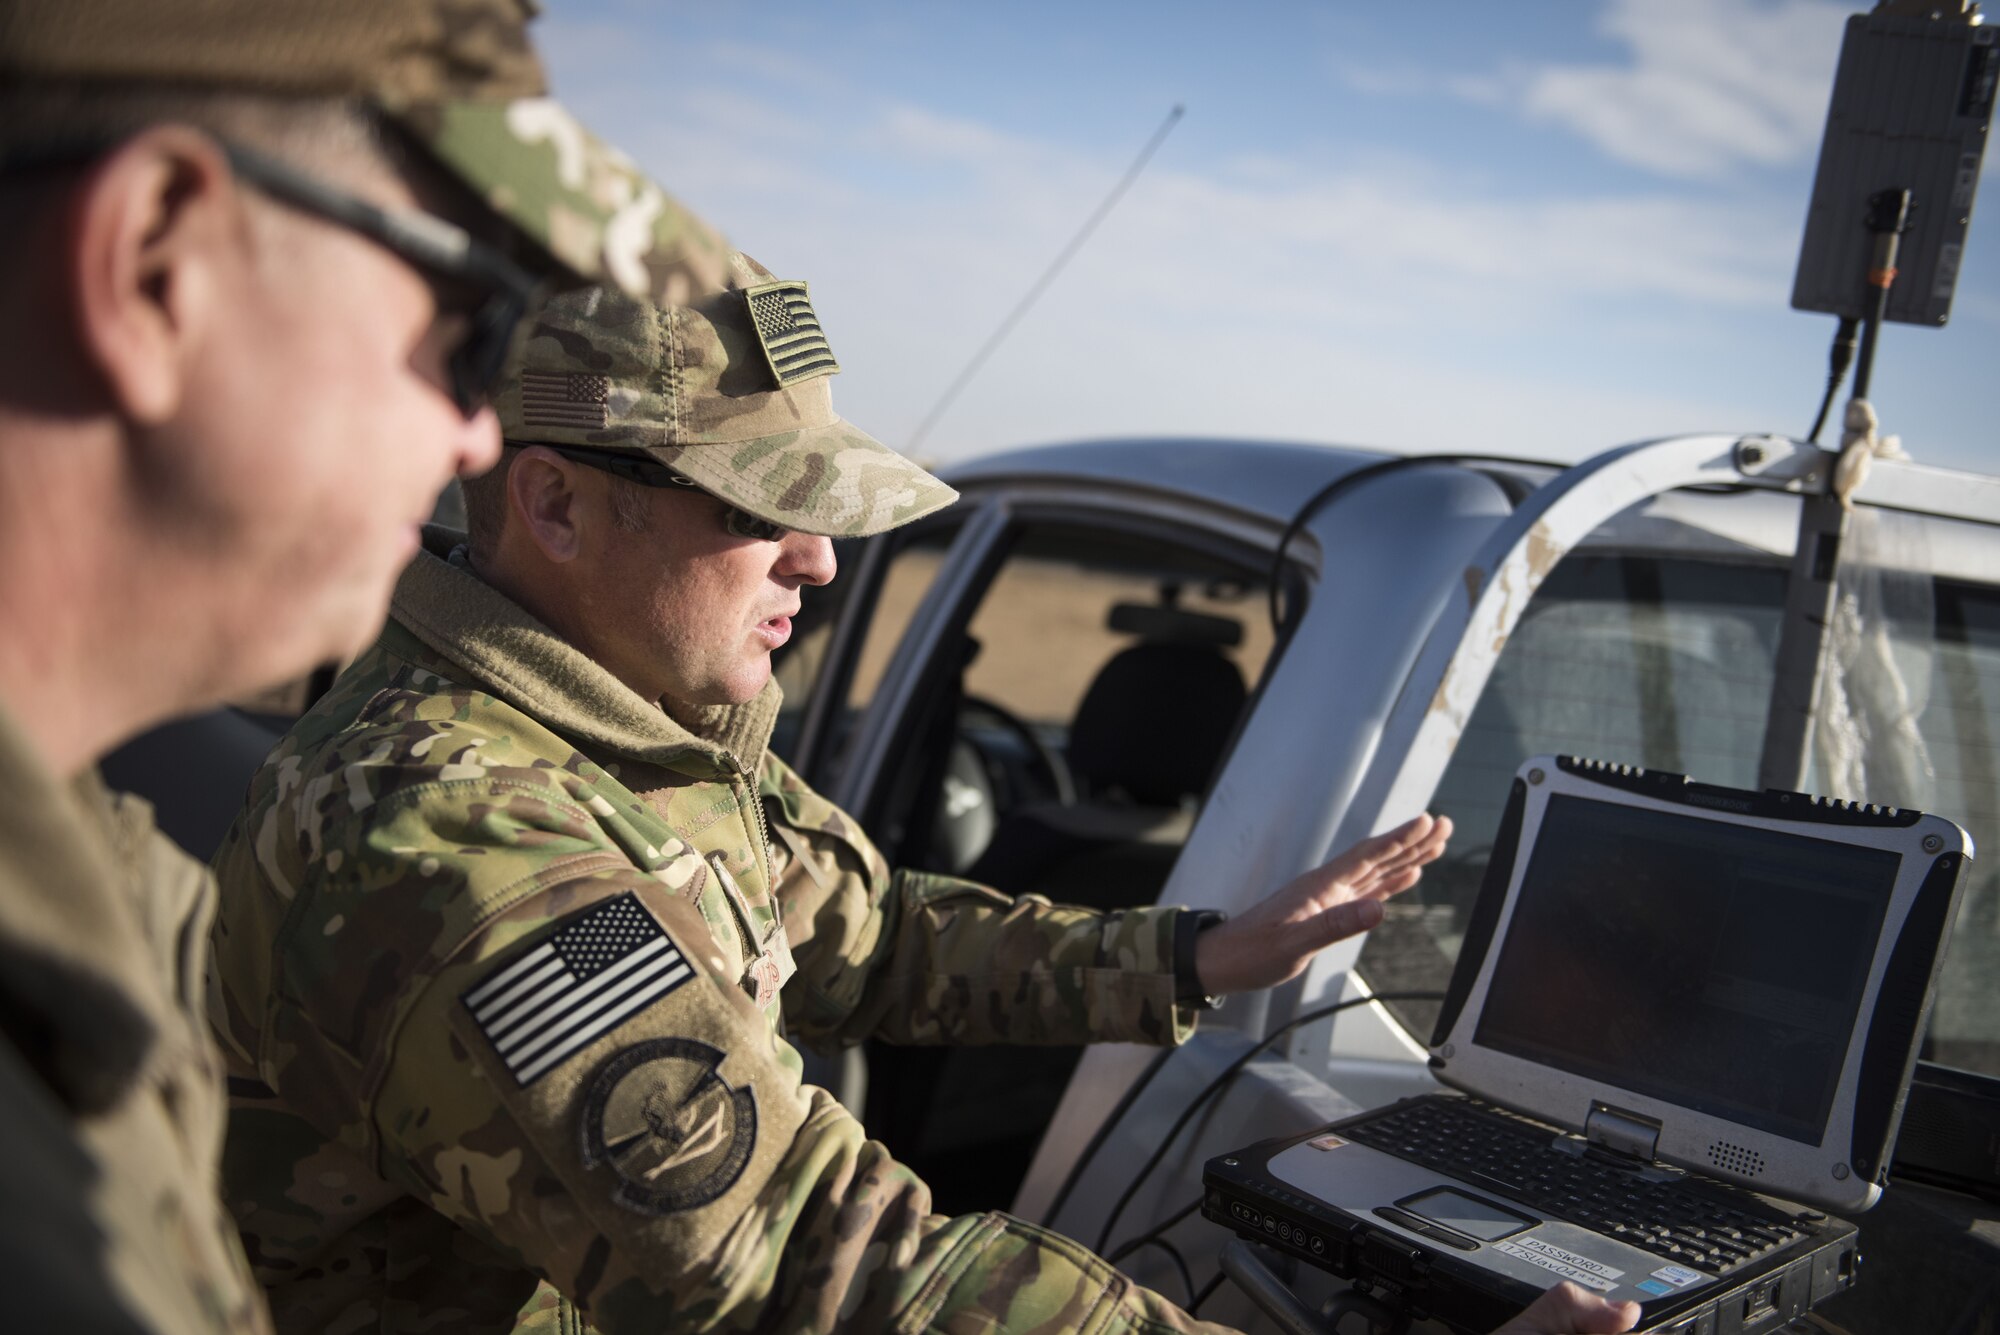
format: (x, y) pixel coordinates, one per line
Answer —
(1622, 1132)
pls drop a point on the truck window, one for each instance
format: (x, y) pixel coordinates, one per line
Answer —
(801, 666)
(1081, 627)
(1667, 663)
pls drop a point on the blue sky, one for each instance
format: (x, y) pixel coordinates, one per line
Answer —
(1543, 227)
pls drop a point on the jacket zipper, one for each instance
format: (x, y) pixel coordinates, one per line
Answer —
(756, 803)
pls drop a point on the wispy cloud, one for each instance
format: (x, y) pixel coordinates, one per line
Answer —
(1388, 297)
(1395, 234)
(1712, 85)
(1253, 297)
(1705, 88)
(927, 134)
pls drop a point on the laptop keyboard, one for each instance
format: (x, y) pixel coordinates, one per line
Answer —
(1708, 1228)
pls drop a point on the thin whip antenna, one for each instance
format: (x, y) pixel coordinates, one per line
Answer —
(1069, 251)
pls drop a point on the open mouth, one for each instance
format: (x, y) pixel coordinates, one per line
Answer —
(774, 631)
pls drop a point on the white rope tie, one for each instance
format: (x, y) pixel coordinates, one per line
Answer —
(1860, 445)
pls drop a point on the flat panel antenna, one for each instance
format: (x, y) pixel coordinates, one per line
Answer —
(1912, 100)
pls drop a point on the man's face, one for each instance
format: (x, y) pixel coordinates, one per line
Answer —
(316, 434)
(686, 608)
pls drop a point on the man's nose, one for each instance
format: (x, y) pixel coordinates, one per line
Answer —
(478, 445)
(809, 557)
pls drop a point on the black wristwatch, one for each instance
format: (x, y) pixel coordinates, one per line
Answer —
(1187, 983)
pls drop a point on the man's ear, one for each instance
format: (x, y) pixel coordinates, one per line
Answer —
(543, 498)
(153, 225)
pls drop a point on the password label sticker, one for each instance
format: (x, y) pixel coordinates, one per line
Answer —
(1563, 1262)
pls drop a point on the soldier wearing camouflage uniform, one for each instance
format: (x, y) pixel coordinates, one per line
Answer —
(518, 925)
(218, 216)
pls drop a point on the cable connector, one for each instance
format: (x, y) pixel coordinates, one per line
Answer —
(1838, 358)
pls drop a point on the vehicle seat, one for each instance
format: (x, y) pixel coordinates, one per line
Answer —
(195, 771)
(1143, 745)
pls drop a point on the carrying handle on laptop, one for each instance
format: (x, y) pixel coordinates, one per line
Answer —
(1242, 1264)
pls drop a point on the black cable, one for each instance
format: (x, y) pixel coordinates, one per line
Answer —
(1156, 1237)
(1228, 1074)
(1207, 1292)
(1134, 1244)
(1117, 1115)
(1280, 623)
(1180, 1261)
(1888, 218)
(1838, 359)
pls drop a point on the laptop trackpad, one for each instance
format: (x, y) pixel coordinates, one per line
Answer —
(1438, 1212)
(1473, 1218)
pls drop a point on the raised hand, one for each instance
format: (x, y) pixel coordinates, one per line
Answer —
(1274, 941)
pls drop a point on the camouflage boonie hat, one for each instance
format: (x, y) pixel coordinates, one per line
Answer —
(729, 390)
(458, 76)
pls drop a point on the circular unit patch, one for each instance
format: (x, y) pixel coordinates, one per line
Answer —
(660, 1117)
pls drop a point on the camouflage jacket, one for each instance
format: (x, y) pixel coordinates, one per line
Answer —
(111, 1099)
(506, 964)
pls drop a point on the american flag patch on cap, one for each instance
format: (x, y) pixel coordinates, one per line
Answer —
(789, 331)
(576, 987)
(564, 398)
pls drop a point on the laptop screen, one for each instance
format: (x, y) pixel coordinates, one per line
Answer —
(1711, 965)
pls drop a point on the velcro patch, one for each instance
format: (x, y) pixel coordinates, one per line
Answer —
(672, 1130)
(565, 398)
(575, 987)
(789, 332)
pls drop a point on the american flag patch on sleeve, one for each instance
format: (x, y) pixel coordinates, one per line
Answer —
(575, 987)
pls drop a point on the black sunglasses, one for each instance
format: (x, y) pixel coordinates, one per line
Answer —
(466, 276)
(652, 473)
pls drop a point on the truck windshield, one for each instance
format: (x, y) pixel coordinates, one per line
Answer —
(1667, 661)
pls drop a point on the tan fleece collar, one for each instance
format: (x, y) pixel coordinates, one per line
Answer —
(504, 649)
(80, 994)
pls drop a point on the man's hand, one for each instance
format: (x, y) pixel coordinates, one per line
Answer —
(1567, 1310)
(1274, 940)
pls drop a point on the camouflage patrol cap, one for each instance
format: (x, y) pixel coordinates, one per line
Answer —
(459, 77)
(729, 390)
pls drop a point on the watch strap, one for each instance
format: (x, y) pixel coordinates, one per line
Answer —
(1187, 981)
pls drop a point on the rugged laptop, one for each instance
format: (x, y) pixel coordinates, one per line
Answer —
(1686, 1017)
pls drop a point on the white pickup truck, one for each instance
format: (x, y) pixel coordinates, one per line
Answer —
(1182, 671)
